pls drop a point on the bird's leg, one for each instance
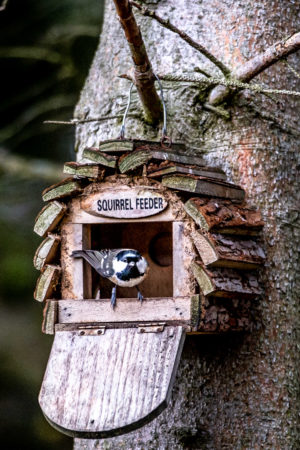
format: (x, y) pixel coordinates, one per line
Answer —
(113, 297)
(139, 295)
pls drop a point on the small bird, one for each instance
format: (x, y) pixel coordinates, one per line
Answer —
(124, 267)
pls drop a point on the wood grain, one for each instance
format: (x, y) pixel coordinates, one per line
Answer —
(103, 386)
(47, 251)
(65, 188)
(217, 250)
(49, 217)
(46, 283)
(127, 310)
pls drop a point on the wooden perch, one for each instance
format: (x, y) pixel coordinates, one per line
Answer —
(217, 250)
(47, 283)
(224, 216)
(226, 283)
(62, 189)
(143, 74)
(204, 186)
(88, 170)
(47, 251)
(49, 217)
(258, 64)
(93, 154)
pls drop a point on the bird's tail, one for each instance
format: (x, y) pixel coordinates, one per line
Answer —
(78, 254)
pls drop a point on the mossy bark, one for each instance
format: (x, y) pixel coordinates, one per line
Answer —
(235, 392)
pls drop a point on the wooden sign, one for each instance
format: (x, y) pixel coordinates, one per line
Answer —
(129, 204)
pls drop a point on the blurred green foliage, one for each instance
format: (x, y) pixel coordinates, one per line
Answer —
(46, 48)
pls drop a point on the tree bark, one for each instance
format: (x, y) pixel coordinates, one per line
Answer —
(234, 392)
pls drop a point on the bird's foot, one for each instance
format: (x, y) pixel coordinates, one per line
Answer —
(140, 296)
(113, 298)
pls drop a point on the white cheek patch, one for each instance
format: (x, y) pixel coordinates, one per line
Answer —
(142, 265)
(118, 266)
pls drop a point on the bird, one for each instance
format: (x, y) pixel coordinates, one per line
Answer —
(124, 267)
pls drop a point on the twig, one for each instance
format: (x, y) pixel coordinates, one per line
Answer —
(218, 111)
(4, 4)
(258, 64)
(166, 23)
(92, 119)
(213, 81)
(143, 73)
(297, 74)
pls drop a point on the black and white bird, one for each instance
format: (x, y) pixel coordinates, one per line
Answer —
(124, 267)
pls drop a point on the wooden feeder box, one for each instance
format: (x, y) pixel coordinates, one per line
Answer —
(111, 370)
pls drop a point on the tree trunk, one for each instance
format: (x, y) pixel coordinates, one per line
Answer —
(235, 392)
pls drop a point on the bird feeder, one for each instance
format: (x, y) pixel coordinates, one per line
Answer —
(111, 370)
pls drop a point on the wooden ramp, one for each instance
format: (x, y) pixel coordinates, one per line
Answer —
(98, 386)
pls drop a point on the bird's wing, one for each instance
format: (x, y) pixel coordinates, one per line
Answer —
(101, 261)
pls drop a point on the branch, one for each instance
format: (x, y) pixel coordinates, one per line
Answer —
(213, 81)
(91, 119)
(3, 6)
(258, 64)
(166, 23)
(143, 73)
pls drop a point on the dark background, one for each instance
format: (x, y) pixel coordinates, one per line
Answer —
(46, 48)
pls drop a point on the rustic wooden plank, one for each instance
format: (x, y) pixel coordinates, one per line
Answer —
(174, 147)
(226, 282)
(170, 155)
(116, 146)
(224, 315)
(47, 251)
(204, 186)
(124, 204)
(183, 255)
(167, 168)
(217, 250)
(127, 310)
(47, 283)
(131, 161)
(49, 217)
(76, 273)
(64, 188)
(50, 315)
(87, 170)
(224, 216)
(106, 385)
(95, 155)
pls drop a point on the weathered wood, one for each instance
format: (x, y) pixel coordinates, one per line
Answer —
(224, 315)
(183, 255)
(127, 310)
(167, 154)
(49, 217)
(116, 146)
(129, 204)
(93, 154)
(131, 161)
(224, 216)
(47, 283)
(204, 186)
(50, 315)
(217, 250)
(88, 170)
(47, 251)
(226, 282)
(167, 167)
(64, 188)
(76, 273)
(106, 385)
(174, 147)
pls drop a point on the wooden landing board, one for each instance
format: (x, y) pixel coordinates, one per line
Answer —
(107, 385)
